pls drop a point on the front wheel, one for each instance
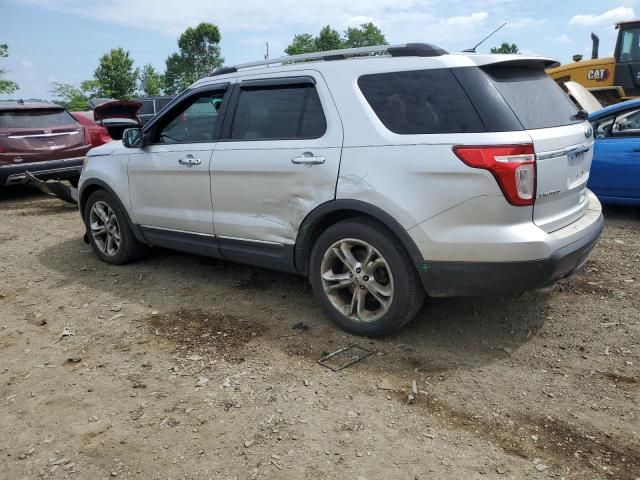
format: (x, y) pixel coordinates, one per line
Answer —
(108, 230)
(363, 278)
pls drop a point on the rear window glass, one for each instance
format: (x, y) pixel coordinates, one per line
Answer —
(35, 119)
(420, 102)
(534, 97)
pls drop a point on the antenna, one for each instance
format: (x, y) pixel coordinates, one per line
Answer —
(266, 57)
(473, 50)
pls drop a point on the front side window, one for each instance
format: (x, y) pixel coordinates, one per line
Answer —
(196, 123)
(627, 123)
(278, 113)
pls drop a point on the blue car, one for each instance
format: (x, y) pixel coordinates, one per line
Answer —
(615, 172)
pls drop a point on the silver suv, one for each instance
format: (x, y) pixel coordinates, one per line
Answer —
(383, 174)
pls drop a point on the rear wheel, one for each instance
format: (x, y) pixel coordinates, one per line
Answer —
(364, 279)
(109, 232)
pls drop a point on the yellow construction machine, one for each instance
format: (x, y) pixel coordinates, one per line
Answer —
(611, 79)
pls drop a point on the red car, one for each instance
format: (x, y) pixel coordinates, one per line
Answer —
(108, 119)
(41, 138)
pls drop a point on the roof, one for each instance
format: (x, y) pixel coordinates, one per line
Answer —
(27, 105)
(614, 108)
(404, 57)
(624, 22)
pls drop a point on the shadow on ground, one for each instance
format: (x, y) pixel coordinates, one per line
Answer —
(447, 333)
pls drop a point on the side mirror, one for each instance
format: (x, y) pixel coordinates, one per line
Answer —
(132, 138)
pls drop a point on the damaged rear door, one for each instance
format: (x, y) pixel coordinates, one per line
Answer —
(278, 159)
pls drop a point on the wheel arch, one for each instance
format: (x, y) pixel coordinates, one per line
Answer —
(335, 211)
(94, 185)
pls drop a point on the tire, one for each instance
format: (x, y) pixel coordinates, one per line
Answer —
(390, 291)
(117, 243)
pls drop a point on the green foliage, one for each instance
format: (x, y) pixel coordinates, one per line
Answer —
(199, 55)
(115, 75)
(302, 43)
(70, 97)
(328, 39)
(151, 82)
(6, 86)
(367, 35)
(506, 48)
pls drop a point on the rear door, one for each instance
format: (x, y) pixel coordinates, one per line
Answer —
(169, 182)
(34, 135)
(279, 161)
(563, 142)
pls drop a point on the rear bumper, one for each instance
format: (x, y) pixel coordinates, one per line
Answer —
(453, 279)
(14, 174)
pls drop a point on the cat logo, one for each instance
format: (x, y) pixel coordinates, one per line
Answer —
(598, 74)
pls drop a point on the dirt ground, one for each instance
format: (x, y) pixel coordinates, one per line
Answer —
(183, 367)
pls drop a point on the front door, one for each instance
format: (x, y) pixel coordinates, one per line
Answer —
(615, 173)
(279, 160)
(169, 180)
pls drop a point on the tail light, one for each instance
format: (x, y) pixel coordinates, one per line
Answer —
(513, 167)
(104, 135)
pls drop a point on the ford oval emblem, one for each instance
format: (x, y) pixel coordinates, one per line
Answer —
(588, 131)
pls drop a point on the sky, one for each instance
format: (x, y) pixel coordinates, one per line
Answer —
(62, 40)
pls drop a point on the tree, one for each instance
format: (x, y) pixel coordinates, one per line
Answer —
(328, 39)
(116, 76)
(6, 86)
(366, 35)
(151, 82)
(506, 48)
(199, 55)
(302, 43)
(73, 98)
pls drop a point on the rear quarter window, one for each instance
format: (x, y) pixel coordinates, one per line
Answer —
(420, 102)
(35, 119)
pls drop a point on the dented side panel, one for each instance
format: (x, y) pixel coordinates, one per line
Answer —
(260, 194)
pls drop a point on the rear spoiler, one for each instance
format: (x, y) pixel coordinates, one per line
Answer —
(536, 63)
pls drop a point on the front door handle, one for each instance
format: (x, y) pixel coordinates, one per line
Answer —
(308, 158)
(189, 161)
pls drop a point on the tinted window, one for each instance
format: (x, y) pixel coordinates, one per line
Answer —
(421, 101)
(630, 46)
(278, 113)
(147, 107)
(196, 123)
(534, 97)
(35, 119)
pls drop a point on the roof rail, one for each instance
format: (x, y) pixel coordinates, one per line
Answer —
(404, 50)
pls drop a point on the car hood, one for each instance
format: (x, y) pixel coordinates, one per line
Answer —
(112, 148)
(117, 109)
(584, 97)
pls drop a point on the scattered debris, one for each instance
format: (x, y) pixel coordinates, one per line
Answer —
(66, 332)
(301, 326)
(202, 381)
(354, 354)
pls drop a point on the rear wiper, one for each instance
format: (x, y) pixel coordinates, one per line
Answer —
(581, 115)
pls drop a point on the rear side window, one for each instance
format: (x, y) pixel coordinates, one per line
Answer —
(287, 112)
(421, 102)
(147, 107)
(35, 119)
(534, 97)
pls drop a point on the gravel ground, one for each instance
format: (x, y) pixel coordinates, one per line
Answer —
(183, 367)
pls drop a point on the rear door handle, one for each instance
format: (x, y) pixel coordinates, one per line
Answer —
(308, 158)
(189, 161)
(637, 149)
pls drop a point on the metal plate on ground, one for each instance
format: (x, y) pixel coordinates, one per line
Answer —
(344, 357)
